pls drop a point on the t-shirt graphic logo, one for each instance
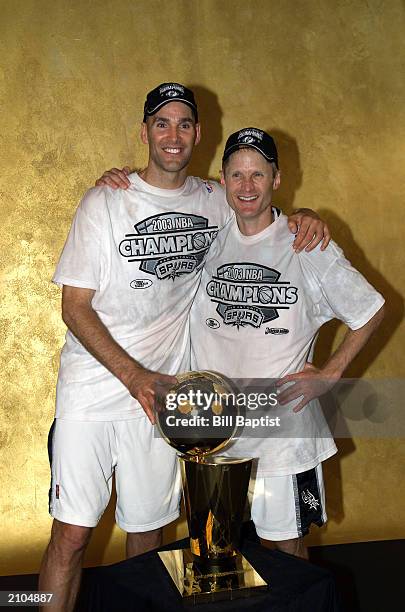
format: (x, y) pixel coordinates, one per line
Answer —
(249, 294)
(170, 244)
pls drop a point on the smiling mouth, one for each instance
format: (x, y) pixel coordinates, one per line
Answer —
(172, 150)
(247, 198)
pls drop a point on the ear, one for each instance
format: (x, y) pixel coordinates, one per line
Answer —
(197, 133)
(277, 180)
(221, 174)
(144, 133)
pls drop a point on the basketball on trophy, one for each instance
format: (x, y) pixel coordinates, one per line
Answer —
(197, 415)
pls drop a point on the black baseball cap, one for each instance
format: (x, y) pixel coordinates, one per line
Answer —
(165, 93)
(255, 138)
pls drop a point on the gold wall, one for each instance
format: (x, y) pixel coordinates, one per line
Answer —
(326, 76)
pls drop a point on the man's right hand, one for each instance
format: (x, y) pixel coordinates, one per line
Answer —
(144, 385)
(115, 178)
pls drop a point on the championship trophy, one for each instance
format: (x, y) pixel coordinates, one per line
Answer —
(197, 423)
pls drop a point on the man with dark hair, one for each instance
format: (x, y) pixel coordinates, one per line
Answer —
(129, 270)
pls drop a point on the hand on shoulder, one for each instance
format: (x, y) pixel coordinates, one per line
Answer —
(115, 178)
(310, 230)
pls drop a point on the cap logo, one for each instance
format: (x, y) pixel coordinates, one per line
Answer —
(171, 90)
(254, 133)
(247, 139)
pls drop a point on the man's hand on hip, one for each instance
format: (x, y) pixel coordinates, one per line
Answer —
(308, 384)
(311, 382)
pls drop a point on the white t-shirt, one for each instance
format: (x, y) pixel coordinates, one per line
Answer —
(256, 315)
(142, 251)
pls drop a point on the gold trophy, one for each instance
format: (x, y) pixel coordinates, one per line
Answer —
(197, 422)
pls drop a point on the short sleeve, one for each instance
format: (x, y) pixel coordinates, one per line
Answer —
(344, 293)
(79, 263)
(217, 194)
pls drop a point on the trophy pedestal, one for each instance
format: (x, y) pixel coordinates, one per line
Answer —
(201, 581)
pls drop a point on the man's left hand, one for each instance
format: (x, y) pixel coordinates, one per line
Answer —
(308, 384)
(310, 230)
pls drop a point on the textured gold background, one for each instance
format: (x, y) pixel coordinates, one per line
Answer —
(326, 76)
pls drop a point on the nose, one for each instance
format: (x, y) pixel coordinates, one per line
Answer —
(174, 133)
(247, 184)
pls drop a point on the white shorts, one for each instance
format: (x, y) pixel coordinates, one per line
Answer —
(283, 507)
(84, 456)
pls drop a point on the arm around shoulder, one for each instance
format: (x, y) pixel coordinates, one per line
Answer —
(310, 230)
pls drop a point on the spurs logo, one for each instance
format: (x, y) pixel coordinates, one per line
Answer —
(308, 498)
(249, 294)
(170, 244)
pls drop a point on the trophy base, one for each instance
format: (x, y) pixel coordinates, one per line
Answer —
(202, 581)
